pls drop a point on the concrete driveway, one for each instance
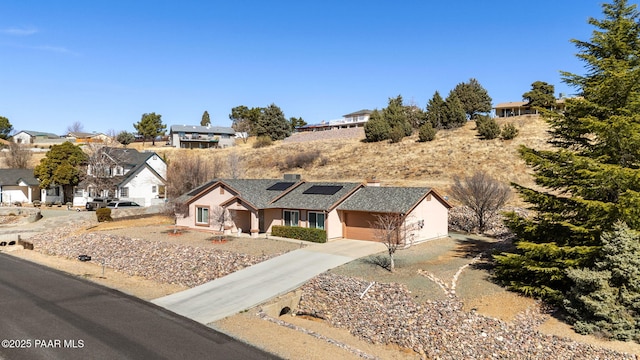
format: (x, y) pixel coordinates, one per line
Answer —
(257, 284)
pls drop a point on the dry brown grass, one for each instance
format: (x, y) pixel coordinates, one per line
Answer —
(408, 163)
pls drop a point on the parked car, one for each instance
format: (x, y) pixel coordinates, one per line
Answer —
(97, 203)
(122, 204)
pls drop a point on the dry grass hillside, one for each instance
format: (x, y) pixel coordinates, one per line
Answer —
(457, 152)
(345, 157)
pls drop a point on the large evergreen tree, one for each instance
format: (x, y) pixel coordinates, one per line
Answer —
(592, 179)
(150, 126)
(272, 123)
(61, 166)
(474, 98)
(541, 95)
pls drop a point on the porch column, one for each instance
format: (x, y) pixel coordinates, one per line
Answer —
(29, 194)
(255, 227)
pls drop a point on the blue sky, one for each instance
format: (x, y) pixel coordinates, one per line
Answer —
(105, 63)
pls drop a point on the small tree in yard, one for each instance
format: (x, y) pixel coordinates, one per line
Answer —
(221, 217)
(390, 229)
(482, 194)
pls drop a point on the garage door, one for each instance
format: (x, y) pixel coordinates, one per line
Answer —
(359, 225)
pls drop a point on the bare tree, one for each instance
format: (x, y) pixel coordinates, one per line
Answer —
(234, 164)
(188, 172)
(75, 127)
(390, 229)
(18, 156)
(221, 217)
(482, 194)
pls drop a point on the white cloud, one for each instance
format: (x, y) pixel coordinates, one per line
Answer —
(25, 31)
(57, 49)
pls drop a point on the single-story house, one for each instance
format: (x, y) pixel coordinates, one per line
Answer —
(201, 137)
(126, 174)
(37, 137)
(21, 185)
(342, 209)
(518, 108)
(82, 137)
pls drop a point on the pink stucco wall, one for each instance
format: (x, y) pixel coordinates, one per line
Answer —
(434, 213)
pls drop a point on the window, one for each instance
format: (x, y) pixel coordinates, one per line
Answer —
(291, 217)
(202, 215)
(316, 220)
(124, 192)
(154, 189)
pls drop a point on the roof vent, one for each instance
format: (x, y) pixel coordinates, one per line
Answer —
(292, 177)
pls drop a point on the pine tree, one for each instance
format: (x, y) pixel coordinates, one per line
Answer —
(273, 123)
(396, 116)
(474, 98)
(436, 109)
(592, 179)
(206, 121)
(454, 115)
(606, 299)
(377, 128)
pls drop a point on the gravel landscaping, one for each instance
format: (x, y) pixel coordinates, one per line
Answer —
(162, 260)
(387, 314)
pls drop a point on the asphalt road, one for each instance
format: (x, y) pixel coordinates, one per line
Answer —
(45, 314)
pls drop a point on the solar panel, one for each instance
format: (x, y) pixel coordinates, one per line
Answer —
(322, 190)
(280, 186)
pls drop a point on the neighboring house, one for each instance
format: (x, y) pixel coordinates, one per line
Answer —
(355, 119)
(343, 210)
(518, 108)
(201, 137)
(82, 137)
(20, 185)
(37, 137)
(125, 174)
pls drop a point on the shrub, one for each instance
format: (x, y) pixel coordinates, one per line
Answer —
(37, 203)
(488, 128)
(396, 134)
(300, 160)
(262, 141)
(58, 203)
(300, 233)
(426, 132)
(104, 214)
(509, 131)
(377, 128)
(17, 203)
